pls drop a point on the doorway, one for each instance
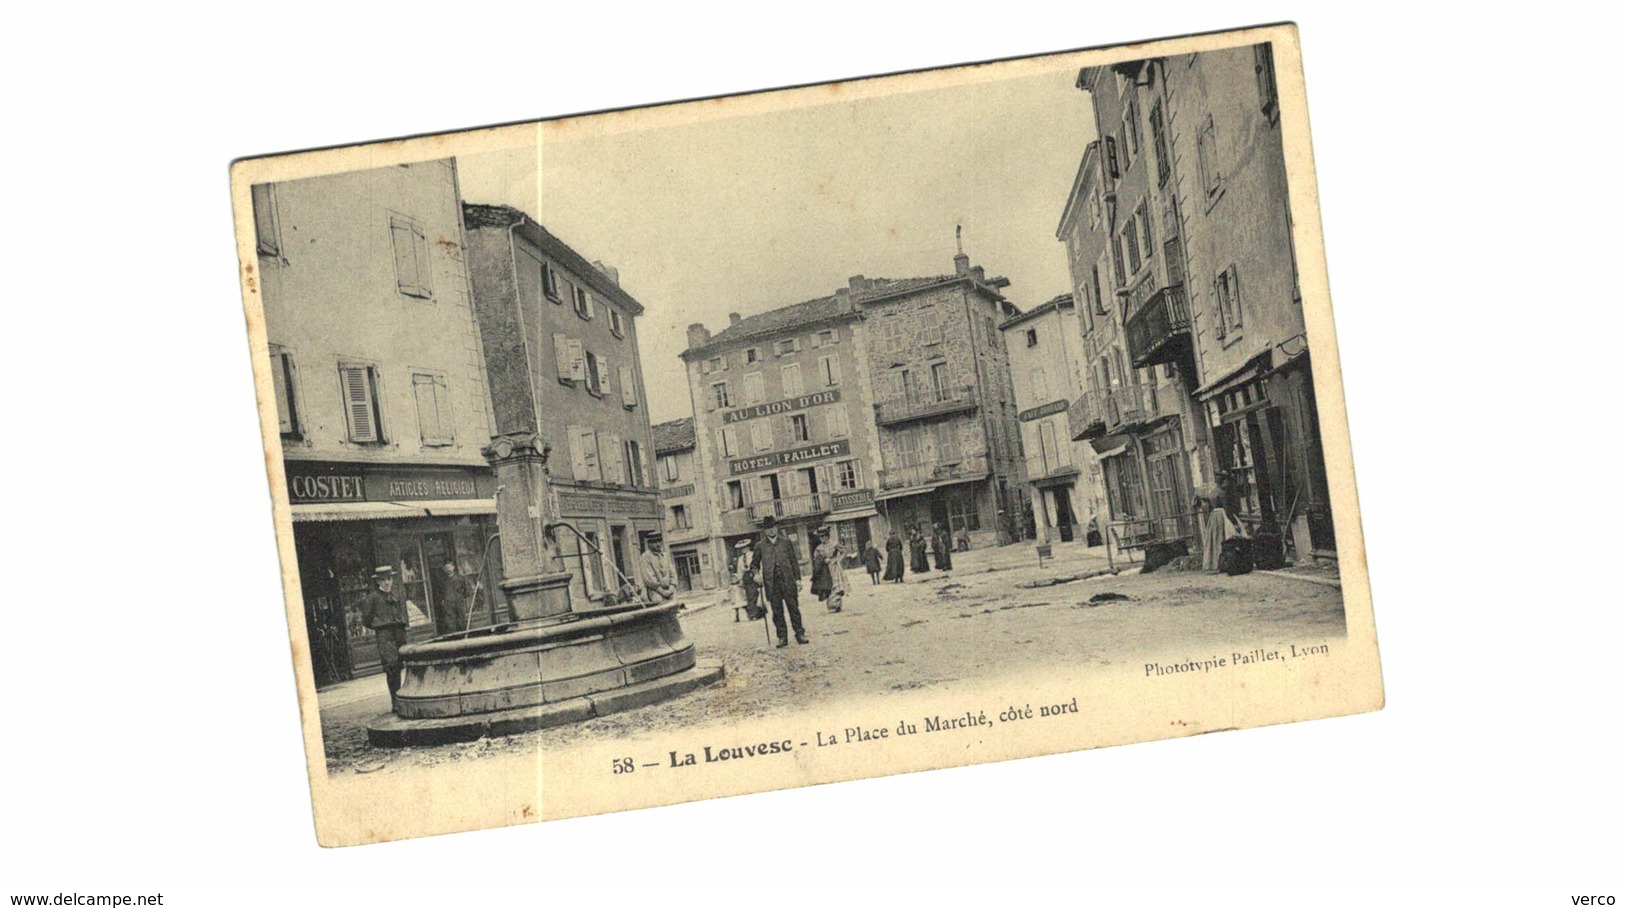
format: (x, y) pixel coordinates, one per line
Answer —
(1063, 512)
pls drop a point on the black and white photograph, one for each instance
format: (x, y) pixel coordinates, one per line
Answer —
(764, 456)
(637, 433)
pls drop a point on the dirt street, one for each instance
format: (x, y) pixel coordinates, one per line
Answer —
(934, 630)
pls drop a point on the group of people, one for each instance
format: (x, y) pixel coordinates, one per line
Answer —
(939, 542)
(768, 576)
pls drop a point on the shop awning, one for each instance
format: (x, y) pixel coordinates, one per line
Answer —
(391, 510)
(921, 490)
(1252, 368)
(854, 515)
(1110, 446)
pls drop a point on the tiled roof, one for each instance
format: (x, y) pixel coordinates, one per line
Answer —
(677, 435)
(504, 216)
(1055, 302)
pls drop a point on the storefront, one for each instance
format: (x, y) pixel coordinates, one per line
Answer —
(604, 535)
(350, 518)
(1266, 438)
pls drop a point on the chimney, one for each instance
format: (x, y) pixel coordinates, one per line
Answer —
(961, 260)
(698, 335)
(857, 282)
(610, 271)
(978, 275)
(733, 319)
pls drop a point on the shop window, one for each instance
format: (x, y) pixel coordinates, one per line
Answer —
(963, 513)
(267, 227)
(434, 409)
(284, 382)
(412, 264)
(361, 412)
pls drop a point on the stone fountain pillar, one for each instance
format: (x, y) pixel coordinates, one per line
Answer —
(534, 586)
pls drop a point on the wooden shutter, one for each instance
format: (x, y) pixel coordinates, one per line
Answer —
(730, 440)
(578, 361)
(561, 355)
(358, 398)
(578, 453)
(834, 376)
(428, 416)
(1235, 297)
(400, 234)
(761, 435)
(611, 458)
(280, 364)
(629, 390)
(603, 375)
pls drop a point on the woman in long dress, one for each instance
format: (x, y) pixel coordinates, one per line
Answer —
(828, 577)
(894, 558)
(942, 548)
(916, 552)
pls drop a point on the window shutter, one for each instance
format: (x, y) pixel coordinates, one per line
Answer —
(834, 371)
(578, 361)
(561, 355)
(610, 456)
(420, 251)
(363, 423)
(629, 390)
(826, 479)
(1235, 296)
(400, 233)
(817, 340)
(603, 375)
(428, 417)
(578, 454)
(279, 379)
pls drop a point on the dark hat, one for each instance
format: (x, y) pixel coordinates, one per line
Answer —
(769, 521)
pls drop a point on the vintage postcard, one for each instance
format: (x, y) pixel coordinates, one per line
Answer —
(806, 435)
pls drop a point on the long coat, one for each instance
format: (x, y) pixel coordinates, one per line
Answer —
(894, 558)
(871, 558)
(916, 555)
(779, 570)
(942, 550)
(385, 613)
(451, 606)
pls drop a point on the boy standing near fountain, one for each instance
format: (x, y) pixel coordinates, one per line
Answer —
(383, 610)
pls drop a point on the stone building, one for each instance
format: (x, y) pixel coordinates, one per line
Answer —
(687, 499)
(380, 394)
(944, 408)
(782, 425)
(1046, 368)
(541, 304)
(1195, 384)
(1223, 138)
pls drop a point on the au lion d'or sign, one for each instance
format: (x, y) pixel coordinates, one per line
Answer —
(788, 405)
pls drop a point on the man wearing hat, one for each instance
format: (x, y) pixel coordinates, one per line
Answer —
(383, 610)
(781, 574)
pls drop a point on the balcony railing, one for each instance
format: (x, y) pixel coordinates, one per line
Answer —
(972, 467)
(924, 405)
(1085, 417)
(1125, 407)
(1160, 331)
(1139, 532)
(794, 506)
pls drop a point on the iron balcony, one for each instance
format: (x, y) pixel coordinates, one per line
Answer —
(1160, 331)
(932, 473)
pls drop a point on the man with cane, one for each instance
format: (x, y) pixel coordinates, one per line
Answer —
(781, 575)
